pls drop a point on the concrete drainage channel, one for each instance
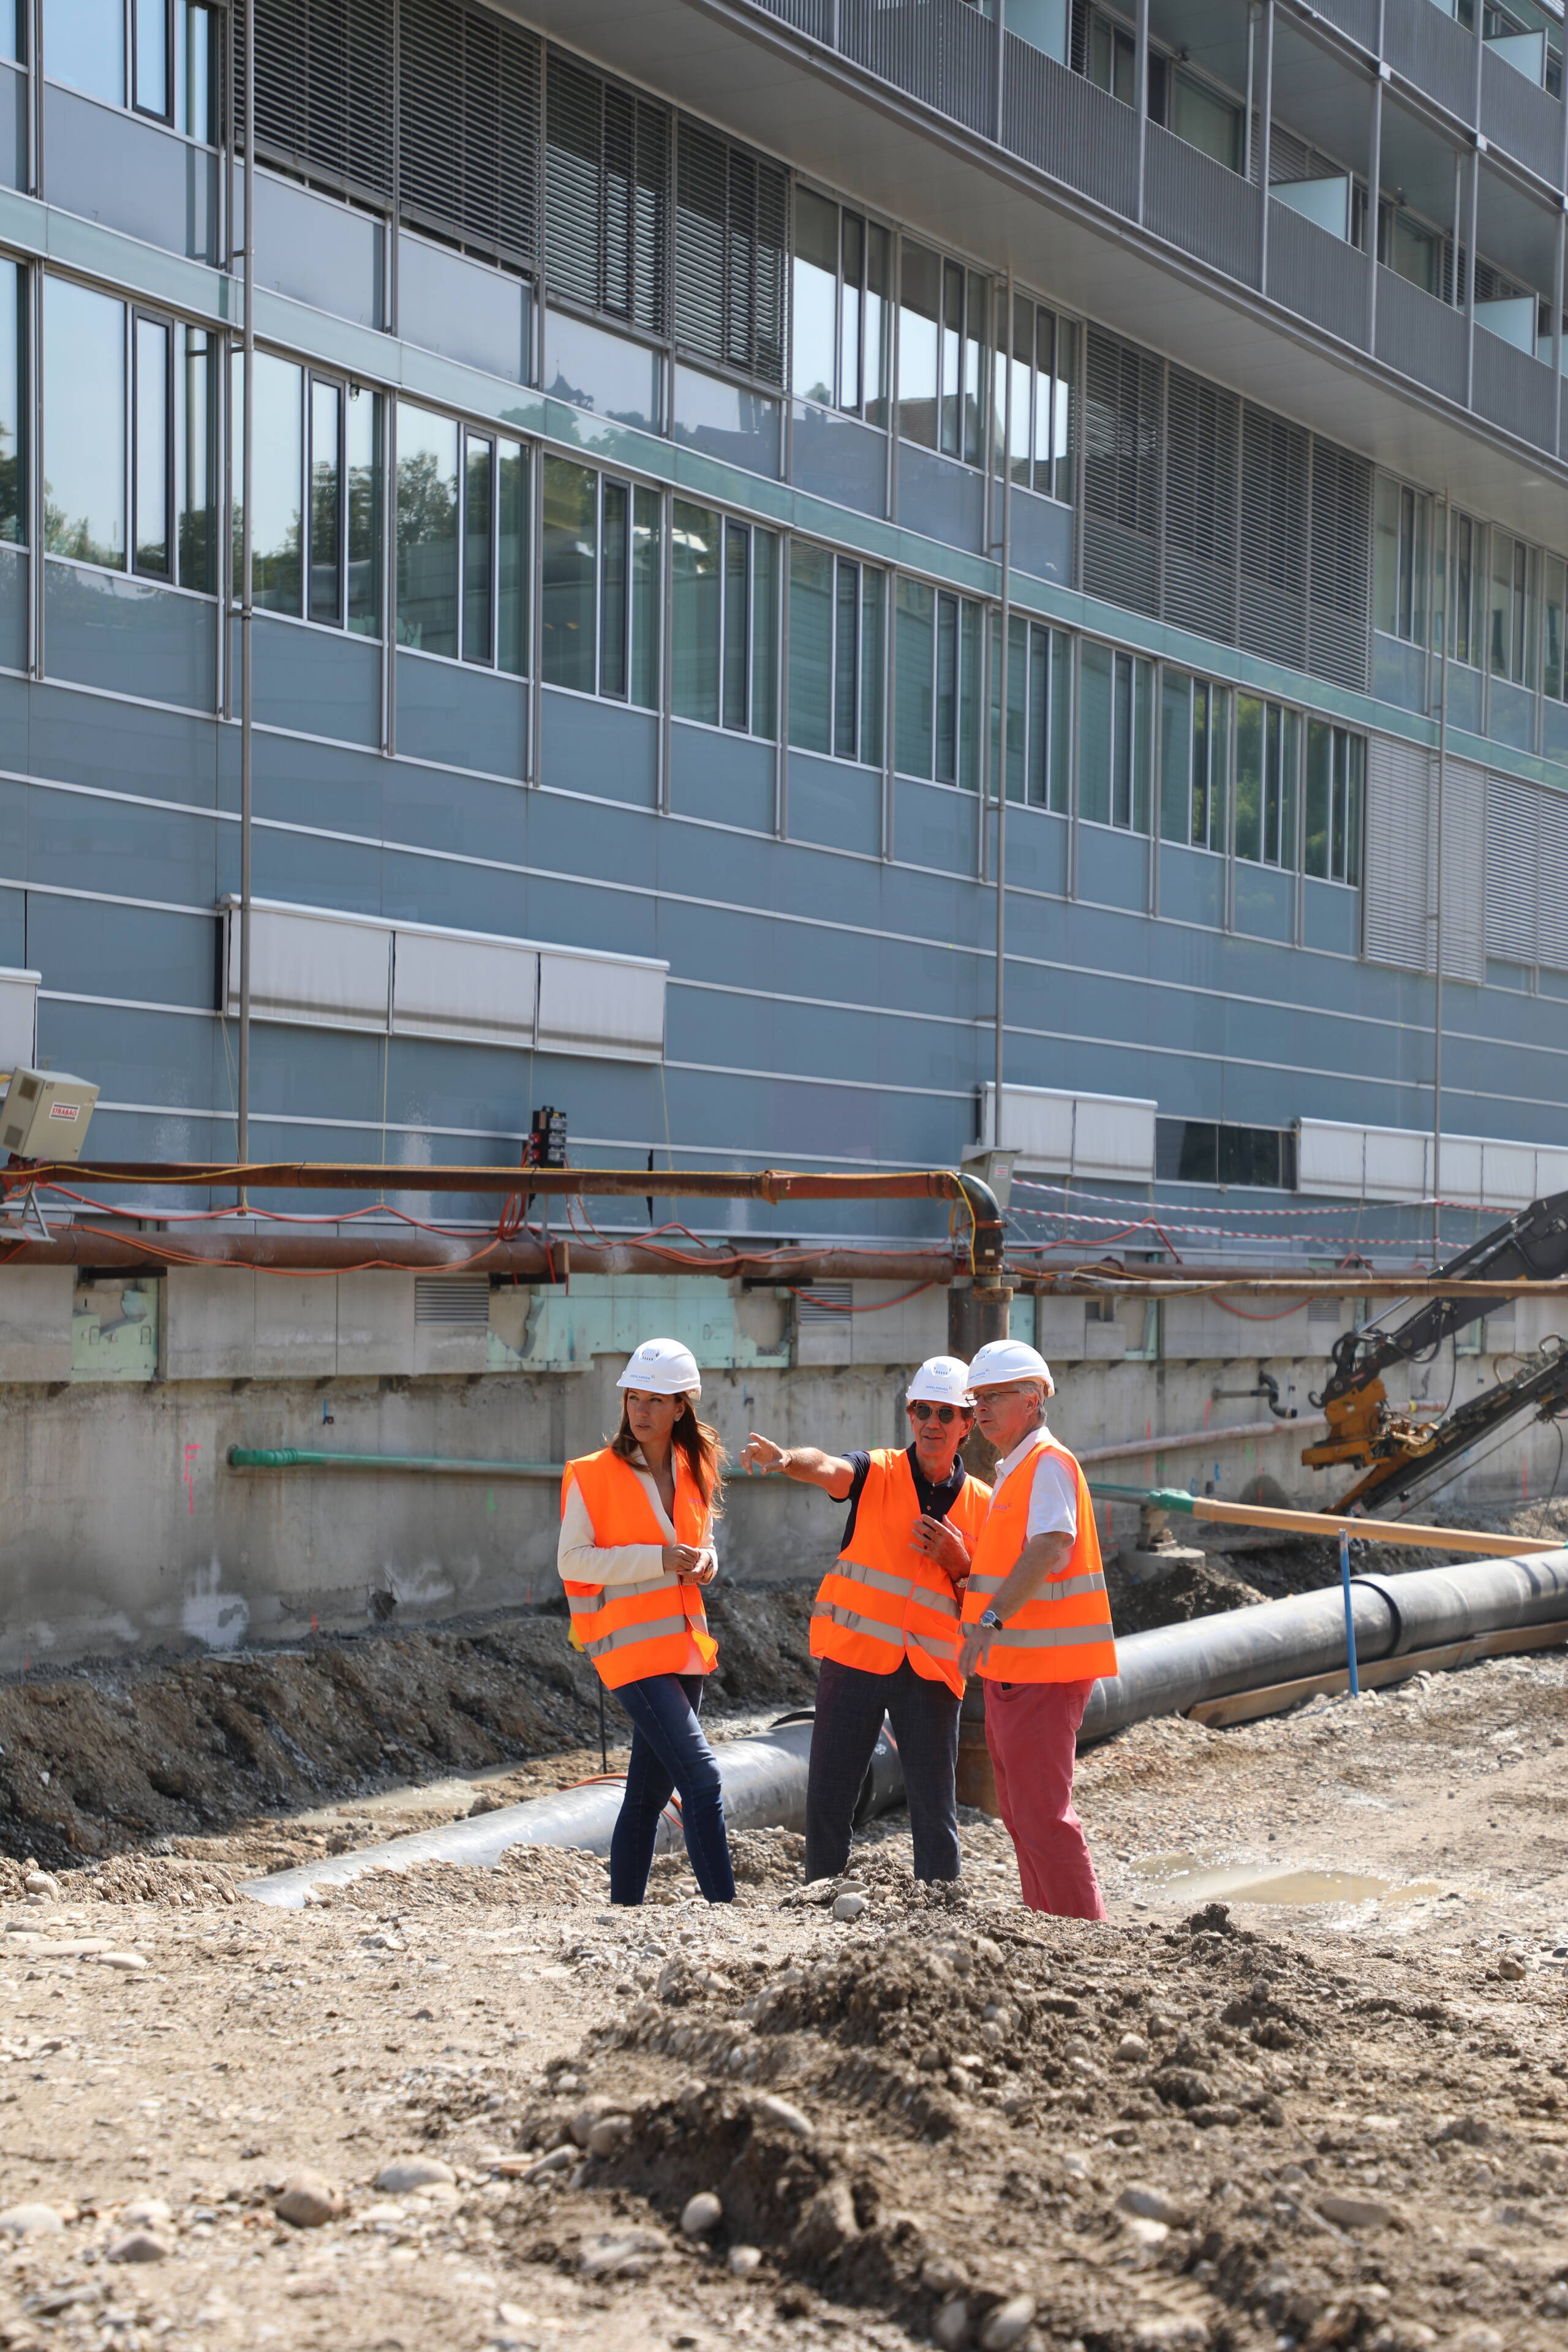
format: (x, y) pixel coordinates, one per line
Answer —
(1432, 1618)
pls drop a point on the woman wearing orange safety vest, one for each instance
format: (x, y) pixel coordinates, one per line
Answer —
(885, 1625)
(1037, 1626)
(636, 1546)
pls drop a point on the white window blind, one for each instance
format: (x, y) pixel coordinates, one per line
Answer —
(316, 966)
(1344, 1161)
(1400, 899)
(1073, 1134)
(18, 1019)
(1527, 873)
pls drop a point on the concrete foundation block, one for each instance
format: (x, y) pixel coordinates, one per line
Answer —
(376, 1323)
(210, 1323)
(36, 1323)
(296, 1327)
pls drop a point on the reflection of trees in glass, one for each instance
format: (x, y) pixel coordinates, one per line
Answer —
(427, 544)
(364, 514)
(62, 536)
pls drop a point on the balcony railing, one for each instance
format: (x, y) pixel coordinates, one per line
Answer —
(1201, 206)
(1512, 389)
(1423, 337)
(1318, 276)
(1072, 130)
(1521, 117)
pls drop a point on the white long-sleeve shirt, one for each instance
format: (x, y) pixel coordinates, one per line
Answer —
(579, 1560)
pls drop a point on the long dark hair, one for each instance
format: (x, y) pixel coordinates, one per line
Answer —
(698, 1445)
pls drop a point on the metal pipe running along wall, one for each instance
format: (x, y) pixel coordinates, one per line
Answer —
(110, 1249)
(1164, 1671)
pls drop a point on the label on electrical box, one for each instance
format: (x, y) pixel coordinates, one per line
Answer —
(65, 1110)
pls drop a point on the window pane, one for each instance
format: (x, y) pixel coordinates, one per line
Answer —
(946, 689)
(846, 660)
(1271, 783)
(194, 70)
(1355, 746)
(1206, 120)
(915, 705)
(1044, 363)
(1553, 681)
(1094, 734)
(872, 668)
(975, 347)
(1061, 720)
(737, 623)
(1385, 558)
(278, 474)
(648, 596)
(1248, 776)
(695, 621)
(363, 455)
(1467, 552)
(1199, 1162)
(849, 310)
(1017, 704)
(478, 547)
(1178, 727)
(13, 408)
(918, 345)
(874, 347)
(765, 631)
(426, 531)
(952, 359)
(1218, 770)
(196, 444)
(149, 18)
(84, 424)
(84, 44)
(972, 694)
(1039, 716)
(150, 472)
(1501, 603)
(326, 502)
(1064, 417)
(815, 290)
(1020, 427)
(810, 645)
(1526, 600)
(1320, 756)
(569, 573)
(614, 582)
(1290, 768)
(1142, 743)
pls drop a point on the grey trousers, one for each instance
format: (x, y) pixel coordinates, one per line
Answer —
(850, 1705)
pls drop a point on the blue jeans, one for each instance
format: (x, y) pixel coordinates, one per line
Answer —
(669, 1752)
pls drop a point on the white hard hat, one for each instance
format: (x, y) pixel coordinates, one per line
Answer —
(941, 1379)
(664, 1368)
(1001, 1360)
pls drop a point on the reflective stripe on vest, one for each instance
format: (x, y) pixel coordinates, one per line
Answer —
(882, 1601)
(1064, 1633)
(632, 1630)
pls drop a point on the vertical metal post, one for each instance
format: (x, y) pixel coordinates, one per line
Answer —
(1001, 1038)
(1264, 142)
(667, 646)
(1350, 1603)
(1557, 292)
(1470, 272)
(389, 576)
(35, 454)
(897, 290)
(998, 69)
(1156, 780)
(247, 591)
(781, 690)
(36, 99)
(1437, 959)
(1374, 203)
(1251, 69)
(1141, 76)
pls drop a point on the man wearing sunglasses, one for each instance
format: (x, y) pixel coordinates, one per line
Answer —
(885, 1624)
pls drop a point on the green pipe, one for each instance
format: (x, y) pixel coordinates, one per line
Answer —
(1159, 1498)
(294, 1458)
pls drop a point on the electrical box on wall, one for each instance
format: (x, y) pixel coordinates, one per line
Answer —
(45, 1115)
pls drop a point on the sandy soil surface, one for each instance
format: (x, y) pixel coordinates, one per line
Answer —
(1266, 2127)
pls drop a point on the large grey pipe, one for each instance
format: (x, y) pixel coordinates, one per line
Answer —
(764, 1788)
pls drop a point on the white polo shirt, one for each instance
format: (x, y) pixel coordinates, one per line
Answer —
(1053, 1500)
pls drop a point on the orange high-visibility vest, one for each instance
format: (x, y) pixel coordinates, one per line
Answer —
(883, 1600)
(630, 1631)
(1063, 1634)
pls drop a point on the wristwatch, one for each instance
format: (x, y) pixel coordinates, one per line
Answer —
(990, 1621)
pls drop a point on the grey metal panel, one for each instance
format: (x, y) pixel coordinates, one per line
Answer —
(726, 777)
(323, 786)
(303, 870)
(834, 803)
(1513, 389)
(317, 681)
(1512, 869)
(813, 16)
(1059, 120)
(935, 824)
(1554, 732)
(13, 127)
(90, 949)
(462, 717)
(1201, 206)
(1519, 117)
(1265, 901)
(14, 576)
(941, 498)
(839, 457)
(599, 747)
(1464, 868)
(1316, 274)
(938, 50)
(1042, 537)
(1356, 17)
(1113, 867)
(1398, 845)
(154, 1057)
(1192, 884)
(451, 304)
(1037, 850)
(1332, 916)
(1398, 672)
(13, 928)
(1431, 50)
(102, 629)
(322, 253)
(1511, 715)
(1423, 337)
(124, 747)
(116, 168)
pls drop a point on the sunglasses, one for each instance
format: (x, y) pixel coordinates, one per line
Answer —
(942, 1412)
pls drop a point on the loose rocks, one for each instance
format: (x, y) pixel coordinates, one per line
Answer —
(848, 1906)
(308, 2201)
(138, 2246)
(30, 2220)
(701, 2213)
(1008, 2323)
(407, 2173)
(768, 2110)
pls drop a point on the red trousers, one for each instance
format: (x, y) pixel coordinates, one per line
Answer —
(1031, 1729)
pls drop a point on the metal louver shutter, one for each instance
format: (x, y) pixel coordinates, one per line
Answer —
(1464, 860)
(467, 138)
(1122, 473)
(1273, 543)
(606, 207)
(1511, 870)
(732, 238)
(1341, 535)
(1551, 878)
(1398, 849)
(323, 87)
(1202, 449)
